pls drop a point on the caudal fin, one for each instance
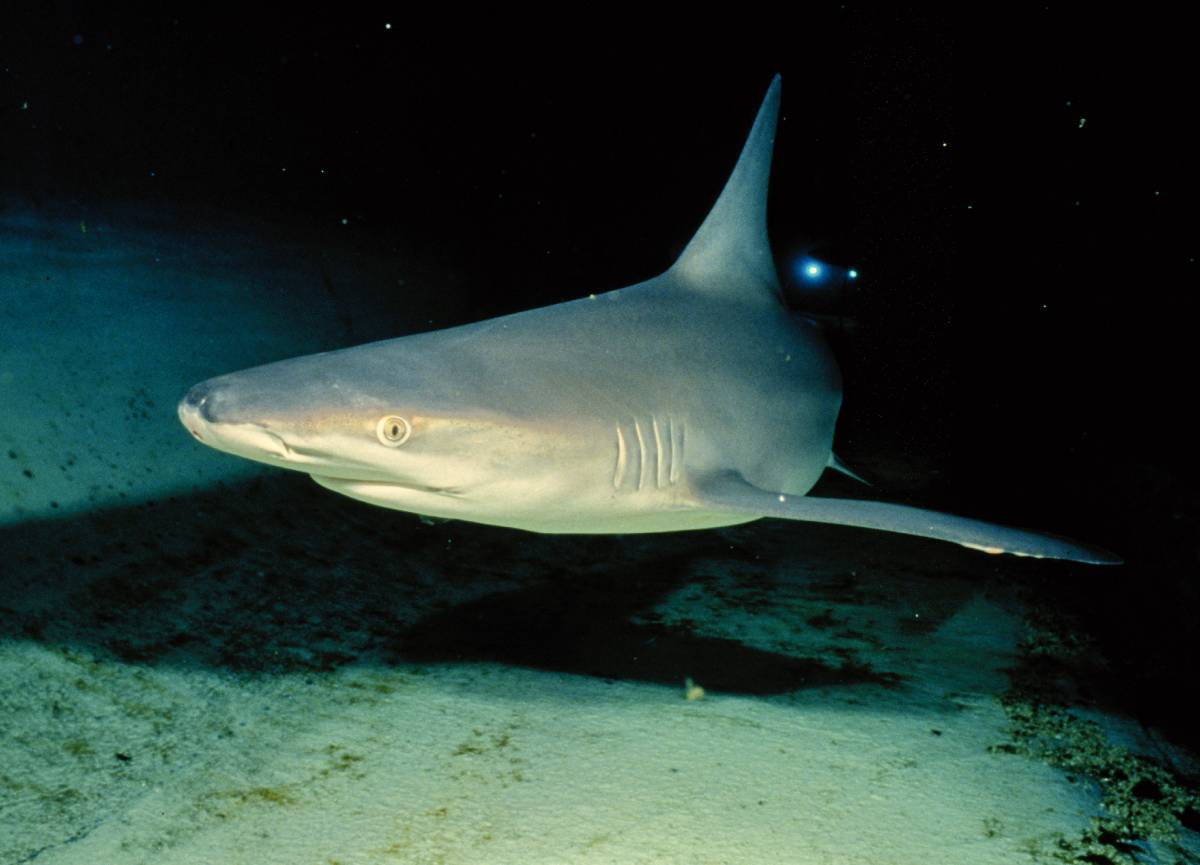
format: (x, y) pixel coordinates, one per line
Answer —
(835, 463)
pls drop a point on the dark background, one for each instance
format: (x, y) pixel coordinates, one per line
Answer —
(1016, 193)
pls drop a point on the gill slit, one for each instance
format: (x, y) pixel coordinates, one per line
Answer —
(668, 444)
(637, 428)
(676, 456)
(622, 457)
(659, 480)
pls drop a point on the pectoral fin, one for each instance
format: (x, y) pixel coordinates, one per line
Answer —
(729, 492)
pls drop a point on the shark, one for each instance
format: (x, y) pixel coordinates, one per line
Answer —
(692, 400)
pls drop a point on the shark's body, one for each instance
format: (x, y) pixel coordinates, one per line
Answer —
(691, 400)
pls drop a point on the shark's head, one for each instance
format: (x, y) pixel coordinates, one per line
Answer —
(371, 423)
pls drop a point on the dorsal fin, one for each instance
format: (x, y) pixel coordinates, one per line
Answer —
(732, 241)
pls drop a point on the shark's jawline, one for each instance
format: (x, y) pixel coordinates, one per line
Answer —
(703, 365)
(334, 482)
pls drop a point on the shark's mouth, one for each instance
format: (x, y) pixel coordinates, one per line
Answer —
(360, 486)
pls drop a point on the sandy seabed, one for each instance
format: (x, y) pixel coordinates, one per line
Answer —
(204, 663)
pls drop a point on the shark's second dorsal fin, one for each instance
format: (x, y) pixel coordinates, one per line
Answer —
(732, 242)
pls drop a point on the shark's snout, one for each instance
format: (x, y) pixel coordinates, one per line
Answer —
(212, 412)
(199, 400)
(189, 411)
(197, 409)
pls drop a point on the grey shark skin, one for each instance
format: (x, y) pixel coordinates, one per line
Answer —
(691, 400)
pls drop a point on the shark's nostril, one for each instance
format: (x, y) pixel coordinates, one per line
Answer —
(197, 395)
(202, 400)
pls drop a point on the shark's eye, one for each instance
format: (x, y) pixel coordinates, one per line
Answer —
(393, 430)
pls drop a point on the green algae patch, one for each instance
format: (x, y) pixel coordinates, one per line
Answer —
(1144, 803)
(223, 803)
